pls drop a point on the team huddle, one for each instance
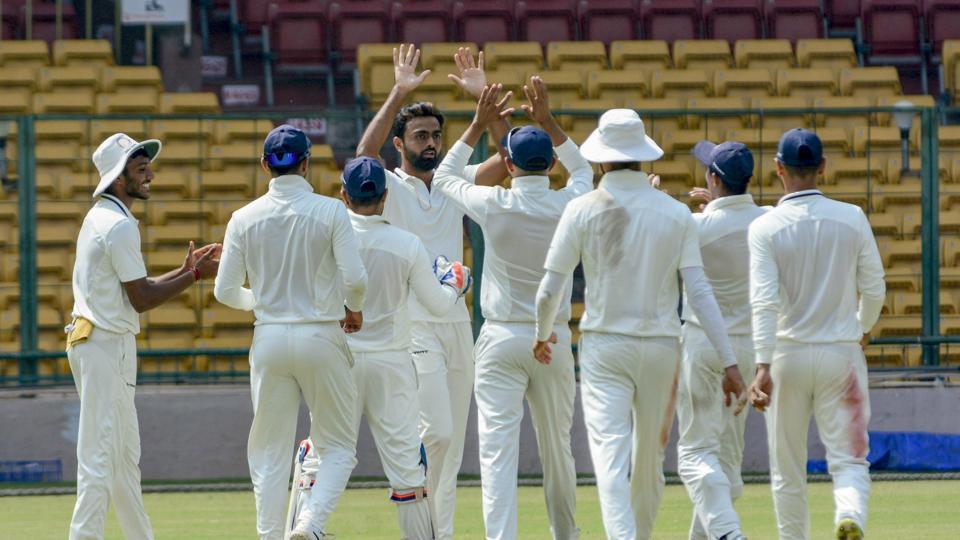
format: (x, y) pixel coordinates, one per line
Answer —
(360, 309)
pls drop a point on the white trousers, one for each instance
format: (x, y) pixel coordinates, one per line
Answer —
(108, 445)
(443, 356)
(628, 386)
(506, 373)
(710, 449)
(287, 360)
(829, 381)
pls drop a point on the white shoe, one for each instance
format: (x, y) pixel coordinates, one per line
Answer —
(306, 532)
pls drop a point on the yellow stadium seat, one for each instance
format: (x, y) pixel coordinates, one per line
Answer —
(645, 56)
(847, 120)
(835, 140)
(89, 52)
(949, 139)
(875, 140)
(899, 253)
(743, 83)
(584, 123)
(189, 102)
(375, 67)
(908, 325)
(178, 234)
(886, 119)
(884, 224)
(950, 254)
(678, 144)
(25, 53)
(763, 143)
(439, 56)
(68, 79)
(656, 126)
(227, 182)
(56, 232)
(228, 131)
(217, 318)
(730, 113)
(453, 126)
(61, 153)
(162, 260)
(781, 112)
(176, 182)
(897, 195)
(512, 81)
(564, 85)
(72, 130)
(192, 131)
(681, 83)
(15, 103)
(18, 80)
(524, 56)
(832, 54)
(768, 54)
(624, 87)
(144, 79)
(704, 54)
(676, 177)
(870, 82)
(951, 53)
(436, 88)
(582, 56)
(810, 83)
(126, 102)
(239, 155)
(101, 129)
(73, 102)
(168, 212)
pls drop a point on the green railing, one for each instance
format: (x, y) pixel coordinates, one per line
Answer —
(343, 130)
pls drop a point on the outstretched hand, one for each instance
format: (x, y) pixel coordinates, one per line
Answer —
(472, 78)
(405, 68)
(490, 107)
(538, 107)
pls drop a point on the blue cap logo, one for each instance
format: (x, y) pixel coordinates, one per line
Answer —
(364, 178)
(285, 146)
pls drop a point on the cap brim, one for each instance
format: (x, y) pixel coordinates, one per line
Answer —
(152, 146)
(597, 151)
(702, 151)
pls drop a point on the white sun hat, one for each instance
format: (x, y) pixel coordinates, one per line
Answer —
(112, 155)
(620, 137)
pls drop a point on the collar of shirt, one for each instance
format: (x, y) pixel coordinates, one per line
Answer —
(530, 183)
(625, 179)
(424, 196)
(366, 222)
(731, 200)
(109, 201)
(289, 184)
(799, 194)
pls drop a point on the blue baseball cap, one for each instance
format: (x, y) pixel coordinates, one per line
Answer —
(285, 146)
(364, 178)
(529, 148)
(731, 161)
(800, 148)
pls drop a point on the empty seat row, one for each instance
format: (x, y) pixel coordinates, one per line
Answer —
(42, 23)
(206, 132)
(85, 101)
(66, 52)
(90, 78)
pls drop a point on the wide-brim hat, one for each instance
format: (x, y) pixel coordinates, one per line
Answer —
(112, 155)
(620, 137)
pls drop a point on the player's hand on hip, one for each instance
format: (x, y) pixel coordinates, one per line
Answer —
(542, 350)
(352, 322)
(491, 107)
(538, 106)
(734, 389)
(472, 78)
(762, 388)
(405, 68)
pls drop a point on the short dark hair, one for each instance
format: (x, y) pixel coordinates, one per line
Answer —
(366, 201)
(414, 110)
(140, 152)
(623, 166)
(736, 189)
(280, 171)
(802, 172)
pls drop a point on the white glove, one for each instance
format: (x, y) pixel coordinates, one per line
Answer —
(453, 274)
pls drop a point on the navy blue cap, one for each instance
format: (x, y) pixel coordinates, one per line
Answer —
(800, 148)
(364, 178)
(285, 146)
(529, 148)
(731, 161)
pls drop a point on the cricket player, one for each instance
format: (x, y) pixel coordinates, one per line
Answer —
(634, 241)
(517, 225)
(300, 255)
(442, 347)
(816, 290)
(110, 290)
(710, 449)
(386, 380)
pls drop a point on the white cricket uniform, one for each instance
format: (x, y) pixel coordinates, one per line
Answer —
(518, 224)
(299, 253)
(633, 240)
(105, 372)
(710, 449)
(442, 347)
(810, 257)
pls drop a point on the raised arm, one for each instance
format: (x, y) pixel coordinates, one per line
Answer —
(405, 81)
(538, 108)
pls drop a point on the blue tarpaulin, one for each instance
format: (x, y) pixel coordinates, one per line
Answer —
(907, 451)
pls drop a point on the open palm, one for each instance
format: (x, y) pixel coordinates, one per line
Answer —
(472, 78)
(405, 68)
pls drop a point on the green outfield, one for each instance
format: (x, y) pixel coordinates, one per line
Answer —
(899, 510)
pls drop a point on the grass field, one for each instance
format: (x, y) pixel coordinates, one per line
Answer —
(898, 510)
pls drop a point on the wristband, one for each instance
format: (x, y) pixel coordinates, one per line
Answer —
(196, 273)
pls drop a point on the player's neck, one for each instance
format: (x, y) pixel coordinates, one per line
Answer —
(425, 176)
(127, 200)
(794, 186)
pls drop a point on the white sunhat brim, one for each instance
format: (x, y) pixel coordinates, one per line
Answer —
(152, 146)
(596, 150)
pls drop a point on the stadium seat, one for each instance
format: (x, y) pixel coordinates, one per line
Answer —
(71, 102)
(885, 224)
(217, 318)
(610, 20)
(375, 68)
(228, 183)
(299, 35)
(87, 52)
(730, 113)
(876, 140)
(744, 83)
(422, 21)
(45, 21)
(708, 55)
(439, 56)
(437, 88)
(31, 54)
(675, 176)
(678, 144)
(480, 21)
(254, 14)
(582, 56)
(145, 79)
(584, 124)
(769, 54)
(657, 125)
(808, 83)
(670, 20)
(544, 21)
(195, 132)
(870, 82)
(891, 28)
(126, 103)
(886, 119)
(897, 253)
(18, 79)
(842, 14)
(564, 86)
(68, 79)
(168, 212)
(832, 54)
(733, 19)
(238, 155)
(74, 131)
(836, 140)
(794, 19)
(763, 143)
(353, 22)
(909, 325)
(525, 57)
(680, 83)
(847, 120)
(189, 103)
(227, 131)
(943, 22)
(624, 87)
(645, 56)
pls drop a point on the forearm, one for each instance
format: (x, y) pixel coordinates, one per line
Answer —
(581, 173)
(472, 135)
(704, 304)
(173, 274)
(378, 130)
(869, 312)
(553, 129)
(155, 293)
(228, 288)
(498, 130)
(549, 296)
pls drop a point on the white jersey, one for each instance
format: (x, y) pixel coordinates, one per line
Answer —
(633, 240)
(299, 253)
(809, 258)
(108, 255)
(517, 224)
(722, 227)
(396, 263)
(435, 220)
